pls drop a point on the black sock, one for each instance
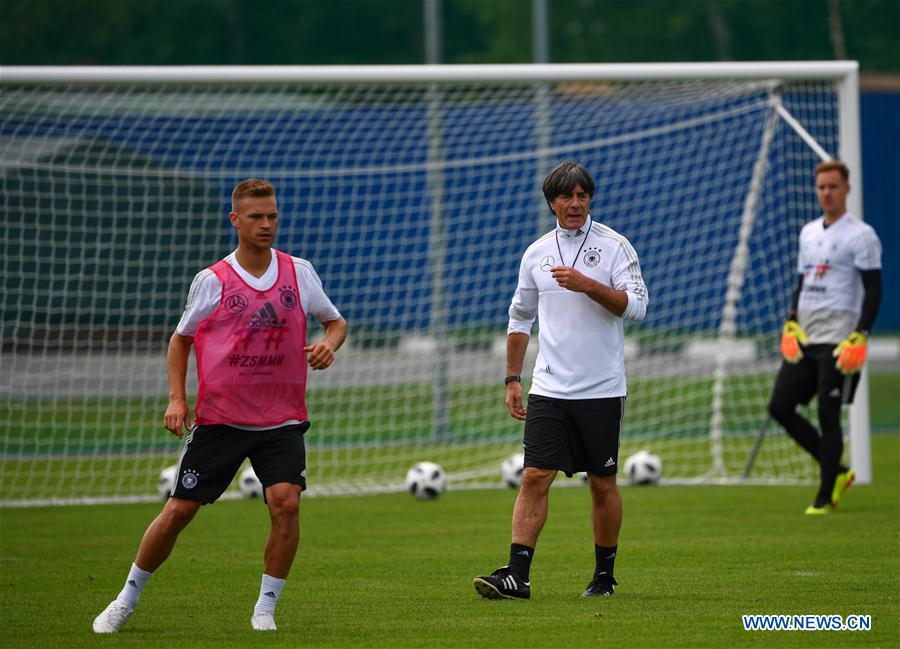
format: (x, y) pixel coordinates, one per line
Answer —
(520, 560)
(606, 559)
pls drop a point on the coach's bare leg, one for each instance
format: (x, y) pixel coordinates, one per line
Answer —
(161, 534)
(606, 510)
(284, 511)
(530, 512)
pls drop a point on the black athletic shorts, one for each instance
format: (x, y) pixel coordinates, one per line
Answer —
(814, 375)
(212, 456)
(573, 435)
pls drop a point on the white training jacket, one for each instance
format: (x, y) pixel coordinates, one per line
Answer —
(830, 260)
(581, 344)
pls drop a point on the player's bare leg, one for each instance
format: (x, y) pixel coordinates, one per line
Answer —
(284, 537)
(156, 546)
(284, 511)
(161, 534)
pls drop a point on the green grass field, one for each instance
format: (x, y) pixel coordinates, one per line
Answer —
(133, 424)
(95, 447)
(388, 571)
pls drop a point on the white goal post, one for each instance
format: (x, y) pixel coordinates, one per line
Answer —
(414, 191)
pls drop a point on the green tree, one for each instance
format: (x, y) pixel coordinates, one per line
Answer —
(872, 29)
(160, 32)
(487, 31)
(169, 32)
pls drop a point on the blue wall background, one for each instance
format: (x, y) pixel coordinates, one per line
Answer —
(127, 213)
(880, 120)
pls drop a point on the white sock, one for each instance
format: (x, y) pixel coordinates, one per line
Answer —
(131, 591)
(269, 591)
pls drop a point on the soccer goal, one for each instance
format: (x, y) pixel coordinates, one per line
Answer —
(414, 191)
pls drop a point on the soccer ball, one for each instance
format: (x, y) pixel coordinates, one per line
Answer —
(426, 480)
(643, 468)
(511, 470)
(249, 484)
(167, 478)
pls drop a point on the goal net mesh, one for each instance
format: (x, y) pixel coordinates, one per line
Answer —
(415, 203)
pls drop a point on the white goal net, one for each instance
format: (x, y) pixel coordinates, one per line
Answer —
(414, 199)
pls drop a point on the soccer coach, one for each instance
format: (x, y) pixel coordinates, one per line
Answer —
(583, 279)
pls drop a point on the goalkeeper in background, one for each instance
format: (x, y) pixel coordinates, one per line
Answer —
(824, 340)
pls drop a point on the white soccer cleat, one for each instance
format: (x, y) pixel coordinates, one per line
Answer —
(112, 618)
(263, 621)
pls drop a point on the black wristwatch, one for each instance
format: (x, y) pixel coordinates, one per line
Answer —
(512, 377)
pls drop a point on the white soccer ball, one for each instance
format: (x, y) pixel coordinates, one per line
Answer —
(249, 484)
(167, 478)
(643, 468)
(511, 470)
(426, 480)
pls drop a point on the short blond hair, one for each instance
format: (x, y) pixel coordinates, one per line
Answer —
(833, 165)
(255, 187)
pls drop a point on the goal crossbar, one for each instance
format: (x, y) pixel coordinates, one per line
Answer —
(502, 73)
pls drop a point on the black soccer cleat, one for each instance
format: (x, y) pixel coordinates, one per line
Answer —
(503, 583)
(602, 585)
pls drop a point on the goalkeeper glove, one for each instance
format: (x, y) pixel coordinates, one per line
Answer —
(851, 353)
(792, 339)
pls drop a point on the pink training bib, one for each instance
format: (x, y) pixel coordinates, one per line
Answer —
(250, 360)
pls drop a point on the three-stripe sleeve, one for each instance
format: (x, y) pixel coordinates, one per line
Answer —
(627, 277)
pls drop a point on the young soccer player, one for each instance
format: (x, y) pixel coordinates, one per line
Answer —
(583, 279)
(246, 319)
(832, 312)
